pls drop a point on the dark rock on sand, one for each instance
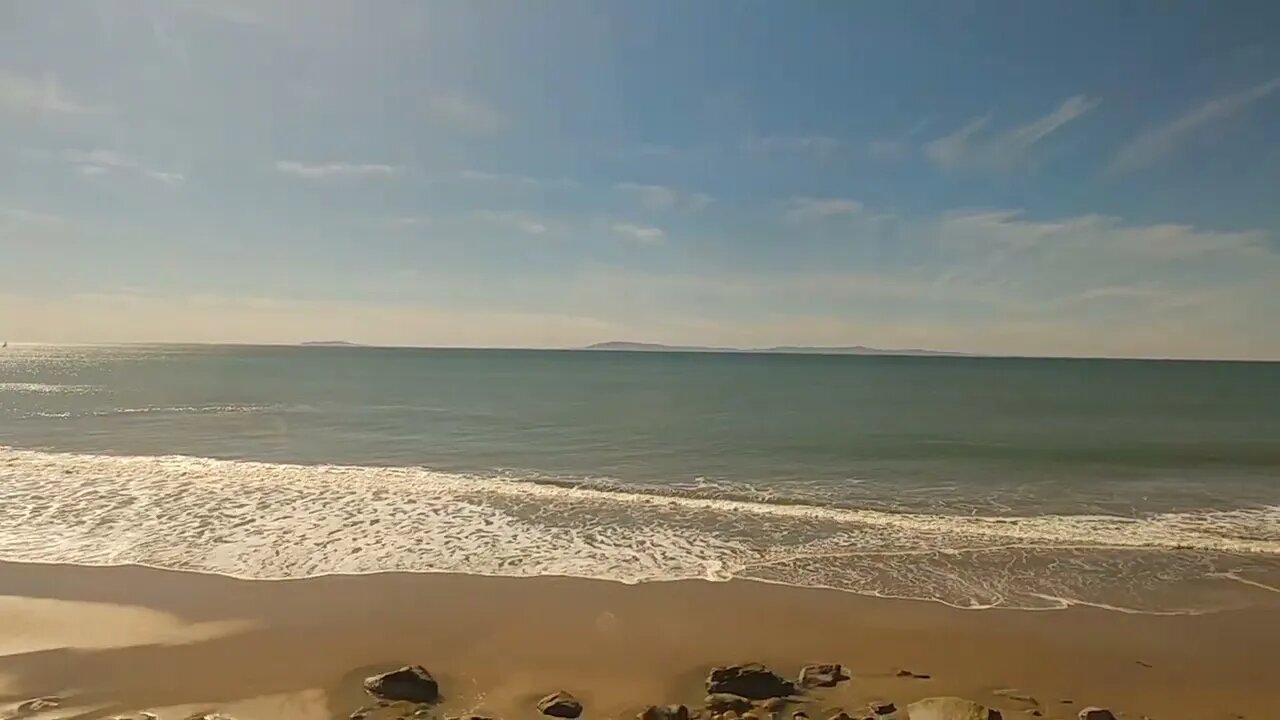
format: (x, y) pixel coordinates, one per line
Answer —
(884, 708)
(822, 675)
(799, 715)
(465, 717)
(753, 681)
(561, 705)
(721, 702)
(915, 675)
(411, 682)
(950, 708)
(664, 712)
(1094, 713)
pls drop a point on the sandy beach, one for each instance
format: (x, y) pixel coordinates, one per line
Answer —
(114, 641)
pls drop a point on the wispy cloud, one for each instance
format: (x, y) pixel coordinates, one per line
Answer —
(662, 197)
(465, 114)
(888, 149)
(18, 223)
(527, 224)
(21, 94)
(967, 146)
(480, 176)
(1152, 144)
(104, 162)
(645, 235)
(821, 146)
(807, 209)
(336, 170)
(1103, 236)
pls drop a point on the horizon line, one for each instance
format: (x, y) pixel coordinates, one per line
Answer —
(656, 349)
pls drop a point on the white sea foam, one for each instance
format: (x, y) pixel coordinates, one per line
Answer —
(264, 520)
(47, 388)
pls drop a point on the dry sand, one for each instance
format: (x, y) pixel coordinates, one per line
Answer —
(115, 640)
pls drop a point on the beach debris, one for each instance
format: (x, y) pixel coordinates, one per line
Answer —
(822, 675)
(40, 704)
(411, 682)
(664, 712)
(720, 702)
(560, 704)
(752, 680)
(1017, 696)
(1096, 713)
(951, 708)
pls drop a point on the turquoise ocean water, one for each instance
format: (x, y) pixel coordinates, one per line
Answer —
(979, 482)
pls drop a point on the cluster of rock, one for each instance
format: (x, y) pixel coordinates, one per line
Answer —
(734, 692)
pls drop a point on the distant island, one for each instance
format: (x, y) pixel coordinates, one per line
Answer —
(331, 343)
(779, 349)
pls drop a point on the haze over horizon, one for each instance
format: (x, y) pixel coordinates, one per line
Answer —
(993, 179)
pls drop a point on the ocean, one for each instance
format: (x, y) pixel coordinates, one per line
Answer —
(1140, 486)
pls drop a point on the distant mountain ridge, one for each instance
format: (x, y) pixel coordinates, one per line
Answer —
(330, 343)
(779, 349)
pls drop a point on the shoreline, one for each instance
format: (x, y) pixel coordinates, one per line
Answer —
(128, 638)
(1242, 587)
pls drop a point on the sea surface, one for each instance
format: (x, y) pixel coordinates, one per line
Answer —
(1139, 486)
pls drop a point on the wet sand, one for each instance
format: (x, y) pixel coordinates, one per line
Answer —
(116, 640)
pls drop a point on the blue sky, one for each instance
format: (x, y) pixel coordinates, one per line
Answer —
(1085, 178)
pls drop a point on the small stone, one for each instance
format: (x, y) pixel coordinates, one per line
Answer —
(822, 675)
(752, 680)
(360, 713)
(664, 712)
(1096, 713)
(40, 704)
(426, 711)
(411, 682)
(720, 702)
(913, 675)
(772, 704)
(799, 715)
(560, 704)
(950, 708)
(1034, 712)
(422, 712)
(1017, 696)
(884, 708)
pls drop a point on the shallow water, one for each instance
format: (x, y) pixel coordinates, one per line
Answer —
(1145, 486)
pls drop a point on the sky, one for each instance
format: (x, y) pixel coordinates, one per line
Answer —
(1027, 178)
